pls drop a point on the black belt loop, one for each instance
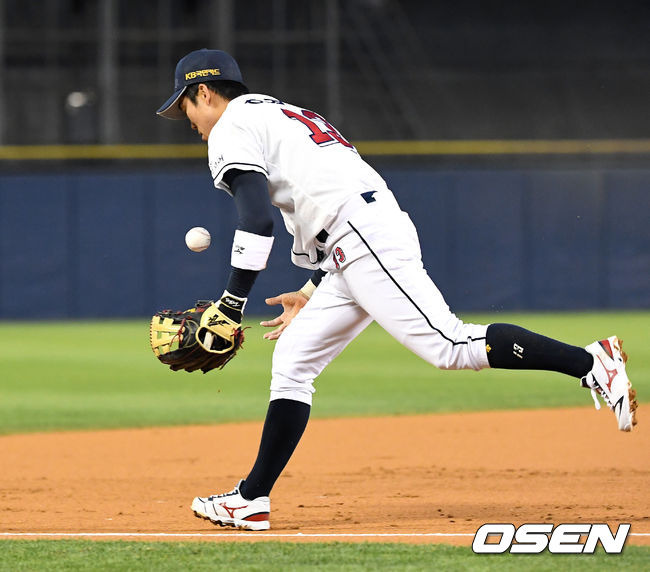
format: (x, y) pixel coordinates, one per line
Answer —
(323, 235)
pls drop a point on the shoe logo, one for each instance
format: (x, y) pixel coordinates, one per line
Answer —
(607, 347)
(231, 510)
(611, 374)
(618, 404)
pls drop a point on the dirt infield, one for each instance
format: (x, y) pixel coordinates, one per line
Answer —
(402, 476)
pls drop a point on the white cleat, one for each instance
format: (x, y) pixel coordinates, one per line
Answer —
(608, 379)
(232, 509)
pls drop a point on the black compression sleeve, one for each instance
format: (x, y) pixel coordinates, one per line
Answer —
(240, 281)
(251, 195)
(253, 205)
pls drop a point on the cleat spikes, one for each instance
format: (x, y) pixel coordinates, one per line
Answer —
(619, 343)
(633, 406)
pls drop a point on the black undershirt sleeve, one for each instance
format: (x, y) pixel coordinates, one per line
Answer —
(250, 193)
(317, 276)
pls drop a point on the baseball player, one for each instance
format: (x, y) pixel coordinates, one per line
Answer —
(364, 252)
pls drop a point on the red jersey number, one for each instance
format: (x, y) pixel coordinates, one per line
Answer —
(318, 135)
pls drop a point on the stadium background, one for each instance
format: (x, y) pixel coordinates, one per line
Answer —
(515, 134)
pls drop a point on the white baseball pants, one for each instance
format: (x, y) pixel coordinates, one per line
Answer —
(375, 272)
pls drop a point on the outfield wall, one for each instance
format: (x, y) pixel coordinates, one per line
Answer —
(110, 244)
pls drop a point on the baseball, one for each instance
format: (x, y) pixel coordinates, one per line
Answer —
(197, 239)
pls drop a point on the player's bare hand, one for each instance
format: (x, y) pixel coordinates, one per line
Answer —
(292, 303)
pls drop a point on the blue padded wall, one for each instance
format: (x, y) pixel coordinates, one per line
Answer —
(111, 244)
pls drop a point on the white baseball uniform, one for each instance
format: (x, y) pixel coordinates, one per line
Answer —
(345, 220)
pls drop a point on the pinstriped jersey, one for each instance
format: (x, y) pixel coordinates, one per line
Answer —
(310, 168)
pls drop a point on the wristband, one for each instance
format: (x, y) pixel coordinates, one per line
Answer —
(232, 306)
(250, 251)
(308, 289)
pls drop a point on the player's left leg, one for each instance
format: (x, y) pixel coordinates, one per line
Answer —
(402, 299)
(600, 366)
(397, 292)
(513, 347)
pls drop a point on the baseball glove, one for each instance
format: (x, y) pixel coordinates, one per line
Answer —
(202, 337)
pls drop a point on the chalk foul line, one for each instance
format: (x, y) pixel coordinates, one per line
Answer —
(248, 534)
(241, 534)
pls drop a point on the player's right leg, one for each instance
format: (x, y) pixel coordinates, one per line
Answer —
(320, 332)
(232, 509)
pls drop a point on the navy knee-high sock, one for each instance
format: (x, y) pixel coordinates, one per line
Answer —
(284, 425)
(513, 347)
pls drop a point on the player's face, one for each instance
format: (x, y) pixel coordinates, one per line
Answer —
(205, 112)
(198, 117)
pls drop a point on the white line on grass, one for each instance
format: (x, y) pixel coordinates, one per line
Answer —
(251, 535)
(238, 534)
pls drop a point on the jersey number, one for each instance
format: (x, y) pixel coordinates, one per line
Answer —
(318, 135)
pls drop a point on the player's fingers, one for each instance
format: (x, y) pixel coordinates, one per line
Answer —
(272, 335)
(272, 323)
(274, 300)
(275, 334)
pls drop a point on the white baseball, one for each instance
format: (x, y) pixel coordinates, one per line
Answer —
(197, 239)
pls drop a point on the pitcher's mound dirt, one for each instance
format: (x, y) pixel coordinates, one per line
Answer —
(421, 474)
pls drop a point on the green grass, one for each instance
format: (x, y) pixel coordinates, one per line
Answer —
(73, 555)
(77, 375)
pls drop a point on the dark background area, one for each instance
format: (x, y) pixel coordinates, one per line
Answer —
(379, 69)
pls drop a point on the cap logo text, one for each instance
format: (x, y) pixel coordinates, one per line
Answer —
(202, 73)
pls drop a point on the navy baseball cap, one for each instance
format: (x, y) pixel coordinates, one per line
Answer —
(196, 67)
